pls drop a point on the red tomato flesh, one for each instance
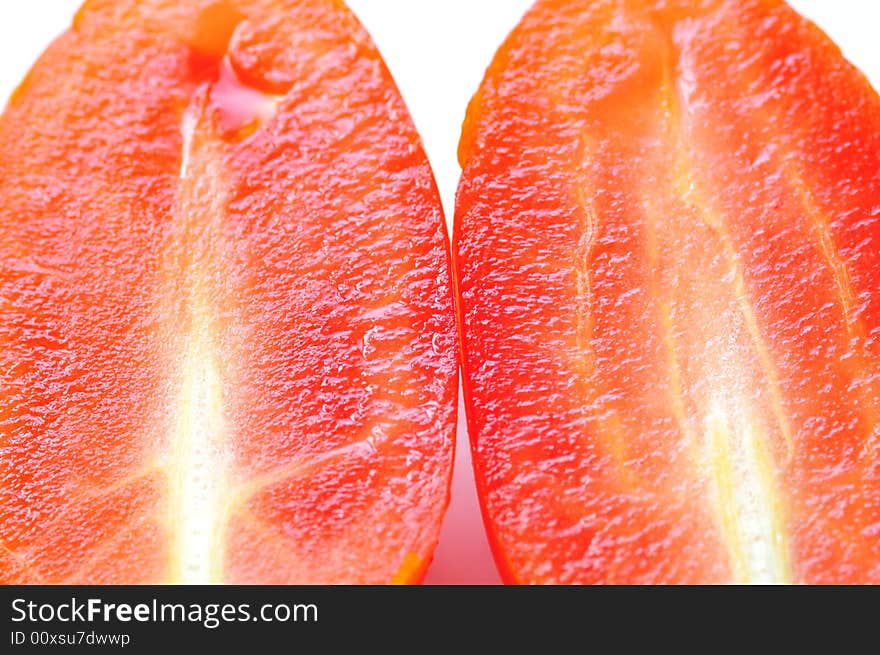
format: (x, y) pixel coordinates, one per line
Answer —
(229, 347)
(668, 250)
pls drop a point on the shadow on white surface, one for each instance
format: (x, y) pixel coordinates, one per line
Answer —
(463, 555)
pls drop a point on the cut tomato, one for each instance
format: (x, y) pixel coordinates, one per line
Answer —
(229, 347)
(668, 249)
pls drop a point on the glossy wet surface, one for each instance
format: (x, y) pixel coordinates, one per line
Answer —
(229, 346)
(668, 232)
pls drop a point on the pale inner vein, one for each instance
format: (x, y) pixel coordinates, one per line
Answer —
(736, 455)
(199, 466)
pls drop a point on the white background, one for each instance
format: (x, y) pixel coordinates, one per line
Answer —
(437, 51)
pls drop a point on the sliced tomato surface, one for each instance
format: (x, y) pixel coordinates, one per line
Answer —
(668, 250)
(228, 337)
